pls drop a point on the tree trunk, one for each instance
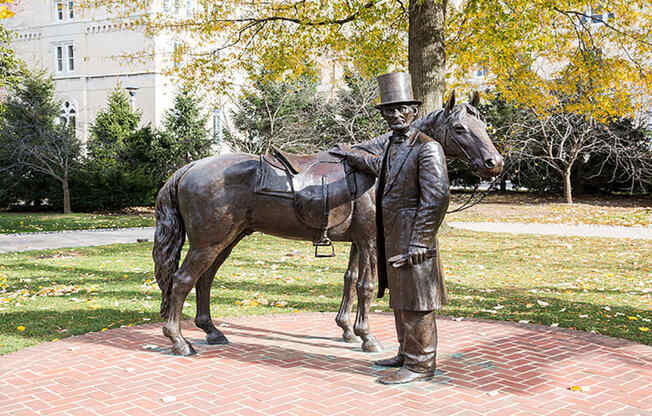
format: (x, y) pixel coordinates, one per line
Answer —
(568, 193)
(66, 197)
(427, 52)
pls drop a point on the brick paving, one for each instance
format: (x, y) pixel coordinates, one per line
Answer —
(295, 365)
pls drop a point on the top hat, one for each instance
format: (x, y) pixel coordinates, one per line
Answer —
(395, 88)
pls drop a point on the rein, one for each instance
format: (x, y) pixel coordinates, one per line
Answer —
(470, 203)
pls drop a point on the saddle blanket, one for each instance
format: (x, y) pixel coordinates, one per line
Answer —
(273, 180)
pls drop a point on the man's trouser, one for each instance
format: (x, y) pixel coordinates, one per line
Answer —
(417, 336)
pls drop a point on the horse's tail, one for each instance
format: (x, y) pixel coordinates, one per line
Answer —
(169, 237)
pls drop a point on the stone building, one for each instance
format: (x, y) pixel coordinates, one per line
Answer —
(87, 53)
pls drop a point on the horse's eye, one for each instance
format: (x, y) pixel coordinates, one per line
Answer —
(460, 129)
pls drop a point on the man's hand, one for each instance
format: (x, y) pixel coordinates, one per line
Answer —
(417, 255)
(338, 152)
(341, 150)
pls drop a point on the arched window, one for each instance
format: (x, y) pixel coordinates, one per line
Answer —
(69, 114)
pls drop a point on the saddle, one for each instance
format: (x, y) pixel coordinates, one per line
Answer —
(318, 186)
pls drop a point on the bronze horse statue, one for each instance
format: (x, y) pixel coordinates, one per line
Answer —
(217, 201)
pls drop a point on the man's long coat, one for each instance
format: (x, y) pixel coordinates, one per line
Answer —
(411, 202)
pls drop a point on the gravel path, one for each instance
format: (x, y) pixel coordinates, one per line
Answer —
(63, 239)
(579, 230)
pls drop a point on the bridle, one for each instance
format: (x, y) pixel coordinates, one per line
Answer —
(450, 138)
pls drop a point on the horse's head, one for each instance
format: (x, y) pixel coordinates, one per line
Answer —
(463, 135)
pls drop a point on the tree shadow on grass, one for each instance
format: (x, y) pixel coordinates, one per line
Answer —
(103, 276)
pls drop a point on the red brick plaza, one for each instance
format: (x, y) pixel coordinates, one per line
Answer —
(295, 365)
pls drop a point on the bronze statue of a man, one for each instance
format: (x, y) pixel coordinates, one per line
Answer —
(411, 201)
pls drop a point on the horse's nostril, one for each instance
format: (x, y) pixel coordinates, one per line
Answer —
(490, 163)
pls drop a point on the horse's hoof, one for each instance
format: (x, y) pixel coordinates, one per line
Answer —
(185, 349)
(371, 345)
(216, 339)
(350, 338)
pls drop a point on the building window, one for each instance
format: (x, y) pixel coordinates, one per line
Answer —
(65, 9)
(190, 7)
(65, 58)
(59, 58)
(177, 54)
(71, 58)
(68, 115)
(132, 96)
(597, 14)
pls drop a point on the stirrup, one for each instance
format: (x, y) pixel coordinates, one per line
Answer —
(324, 241)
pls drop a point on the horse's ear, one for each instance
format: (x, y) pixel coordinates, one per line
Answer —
(451, 103)
(475, 100)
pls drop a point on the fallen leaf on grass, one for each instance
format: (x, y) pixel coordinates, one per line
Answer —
(257, 300)
(22, 293)
(57, 290)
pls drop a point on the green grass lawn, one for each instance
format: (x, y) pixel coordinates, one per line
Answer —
(584, 283)
(529, 208)
(11, 223)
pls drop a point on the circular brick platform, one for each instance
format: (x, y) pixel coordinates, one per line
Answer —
(295, 365)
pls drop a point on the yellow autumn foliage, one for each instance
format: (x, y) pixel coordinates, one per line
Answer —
(531, 49)
(5, 12)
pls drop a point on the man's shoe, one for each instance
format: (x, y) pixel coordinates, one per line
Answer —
(395, 361)
(404, 375)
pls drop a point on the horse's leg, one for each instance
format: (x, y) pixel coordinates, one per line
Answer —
(366, 288)
(343, 318)
(203, 288)
(197, 262)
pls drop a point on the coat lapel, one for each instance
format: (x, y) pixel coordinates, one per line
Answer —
(398, 163)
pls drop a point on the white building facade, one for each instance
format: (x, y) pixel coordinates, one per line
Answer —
(91, 52)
